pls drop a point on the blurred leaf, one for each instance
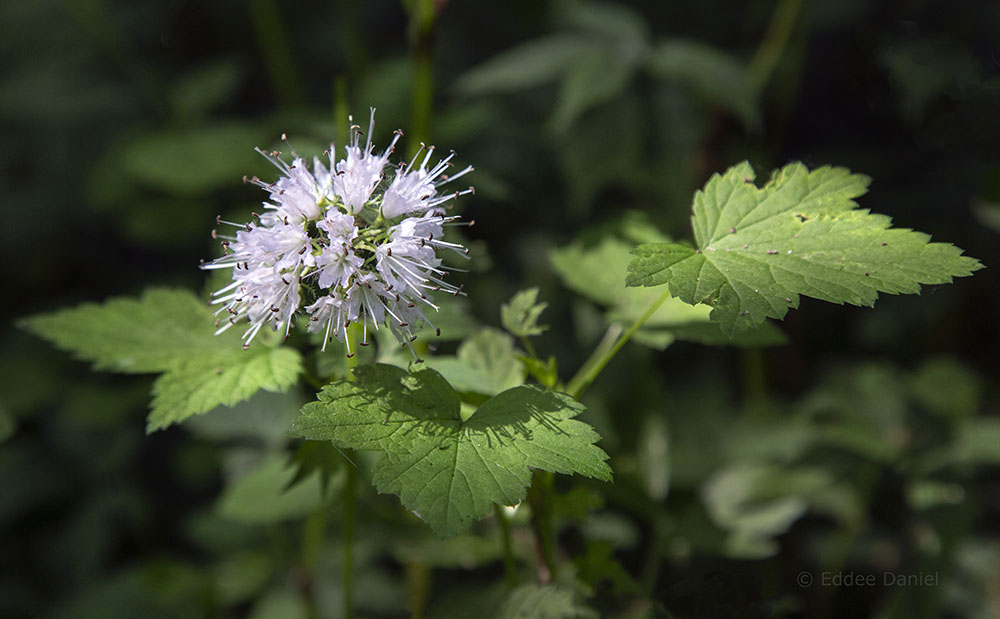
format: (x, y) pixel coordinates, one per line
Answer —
(189, 162)
(151, 334)
(206, 87)
(598, 568)
(926, 494)
(316, 457)
(240, 577)
(170, 331)
(264, 417)
(757, 502)
(447, 470)
(528, 65)
(155, 590)
(599, 75)
(653, 454)
(263, 496)
(464, 551)
(759, 249)
(280, 604)
(947, 387)
(610, 20)
(520, 315)
(923, 71)
(486, 363)
(988, 214)
(546, 372)
(542, 602)
(712, 75)
(201, 385)
(8, 426)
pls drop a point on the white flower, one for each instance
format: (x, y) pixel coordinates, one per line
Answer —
(359, 267)
(337, 265)
(296, 195)
(360, 172)
(415, 191)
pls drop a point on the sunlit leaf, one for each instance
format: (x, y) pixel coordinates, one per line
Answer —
(758, 249)
(447, 470)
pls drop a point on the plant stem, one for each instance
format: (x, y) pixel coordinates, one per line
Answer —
(509, 565)
(273, 40)
(422, 14)
(313, 530)
(341, 110)
(540, 500)
(608, 348)
(418, 582)
(349, 497)
(350, 512)
(754, 381)
(772, 46)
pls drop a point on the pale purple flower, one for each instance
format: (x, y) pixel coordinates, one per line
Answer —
(375, 267)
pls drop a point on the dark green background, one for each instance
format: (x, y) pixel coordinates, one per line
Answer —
(127, 126)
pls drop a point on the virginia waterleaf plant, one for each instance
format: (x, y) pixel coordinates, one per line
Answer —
(357, 247)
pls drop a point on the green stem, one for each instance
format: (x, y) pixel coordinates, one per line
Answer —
(341, 110)
(349, 497)
(528, 348)
(608, 348)
(754, 381)
(509, 564)
(418, 583)
(273, 40)
(350, 513)
(313, 530)
(772, 46)
(540, 500)
(422, 14)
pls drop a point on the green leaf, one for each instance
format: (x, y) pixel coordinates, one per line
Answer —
(149, 334)
(170, 331)
(451, 472)
(597, 76)
(202, 384)
(543, 602)
(598, 272)
(711, 75)
(758, 249)
(525, 66)
(264, 495)
(520, 315)
(191, 161)
(487, 363)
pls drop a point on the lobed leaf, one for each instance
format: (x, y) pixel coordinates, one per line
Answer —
(486, 363)
(450, 471)
(597, 272)
(149, 334)
(169, 331)
(203, 384)
(758, 249)
(520, 315)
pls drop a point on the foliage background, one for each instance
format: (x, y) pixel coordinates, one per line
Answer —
(869, 443)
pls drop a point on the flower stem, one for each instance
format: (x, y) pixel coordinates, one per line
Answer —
(608, 348)
(540, 500)
(422, 14)
(509, 564)
(772, 46)
(273, 40)
(350, 513)
(313, 530)
(349, 497)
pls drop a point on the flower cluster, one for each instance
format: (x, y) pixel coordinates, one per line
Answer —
(348, 242)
